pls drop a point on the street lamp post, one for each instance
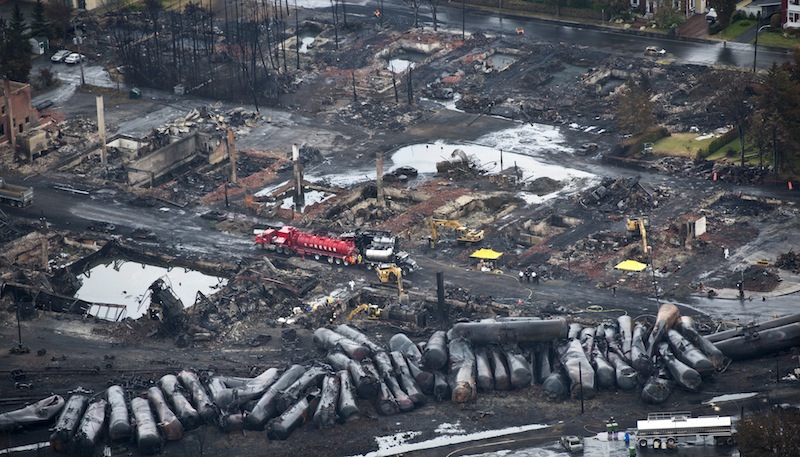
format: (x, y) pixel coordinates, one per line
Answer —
(755, 47)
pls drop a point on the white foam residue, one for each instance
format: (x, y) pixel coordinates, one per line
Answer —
(402, 445)
(450, 429)
(730, 397)
(396, 440)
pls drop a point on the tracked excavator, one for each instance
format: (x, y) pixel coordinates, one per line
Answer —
(463, 234)
(637, 227)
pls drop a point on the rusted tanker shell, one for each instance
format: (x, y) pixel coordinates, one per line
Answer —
(407, 382)
(91, 429)
(518, 330)
(347, 406)
(500, 370)
(640, 361)
(42, 411)
(168, 423)
(148, 440)
(358, 337)
(463, 386)
(189, 417)
(668, 315)
(657, 388)
(606, 375)
(687, 353)
(119, 423)
(282, 426)
(743, 330)
(542, 369)
(556, 385)
(687, 328)
(761, 342)
(626, 335)
(266, 408)
(231, 398)
(329, 340)
(198, 395)
(683, 374)
(579, 370)
(434, 356)
(424, 379)
(325, 415)
(485, 376)
(518, 368)
(308, 380)
(384, 364)
(400, 342)
(624, 373)
(68, 421)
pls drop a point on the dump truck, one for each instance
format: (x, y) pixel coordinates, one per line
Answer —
(13, 195)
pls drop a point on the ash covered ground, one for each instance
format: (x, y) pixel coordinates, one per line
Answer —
(573, 240)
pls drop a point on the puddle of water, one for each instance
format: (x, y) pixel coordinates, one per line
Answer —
(568, 75)
(311, 197)
(500, 60)
(398, 66)
(523, 146)
(126, 283)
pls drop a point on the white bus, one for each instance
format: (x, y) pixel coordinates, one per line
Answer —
(665, 430)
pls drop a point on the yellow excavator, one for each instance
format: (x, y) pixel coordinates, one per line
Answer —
(637, 226)
(371, 311)
(463, 234)
(388, 273)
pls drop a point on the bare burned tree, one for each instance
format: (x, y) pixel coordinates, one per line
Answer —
(164, 48)
(433, 5)
(415, 5)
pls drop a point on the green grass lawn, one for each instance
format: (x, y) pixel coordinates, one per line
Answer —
(681, 145)
(775, 38)
(736, 29)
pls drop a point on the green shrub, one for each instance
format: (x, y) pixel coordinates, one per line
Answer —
(718, 143)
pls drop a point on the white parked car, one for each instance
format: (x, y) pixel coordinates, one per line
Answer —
(59, 56)
(74, 58)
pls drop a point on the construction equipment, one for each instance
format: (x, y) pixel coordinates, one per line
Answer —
(371, 311)
(13, 195)
(388, 273)
(362, 247)
(637, 226)
(463, 234)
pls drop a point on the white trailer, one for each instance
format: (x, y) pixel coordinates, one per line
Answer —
(664, 430)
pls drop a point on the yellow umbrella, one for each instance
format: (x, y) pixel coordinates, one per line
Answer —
(631, 265)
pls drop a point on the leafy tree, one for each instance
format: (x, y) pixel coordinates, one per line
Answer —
(724, 9)
(58, 15)
(16, 50)
(39, 25)
(732, 102)
(634, 111)
(769, 433)
(779, 105)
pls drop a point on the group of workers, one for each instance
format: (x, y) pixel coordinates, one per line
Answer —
(529, 275)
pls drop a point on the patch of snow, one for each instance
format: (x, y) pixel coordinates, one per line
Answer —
(730, 397)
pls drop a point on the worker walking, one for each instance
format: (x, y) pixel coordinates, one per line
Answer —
(352, 284)
(535, 277)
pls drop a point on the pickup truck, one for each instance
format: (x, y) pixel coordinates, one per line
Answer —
(13, 195)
